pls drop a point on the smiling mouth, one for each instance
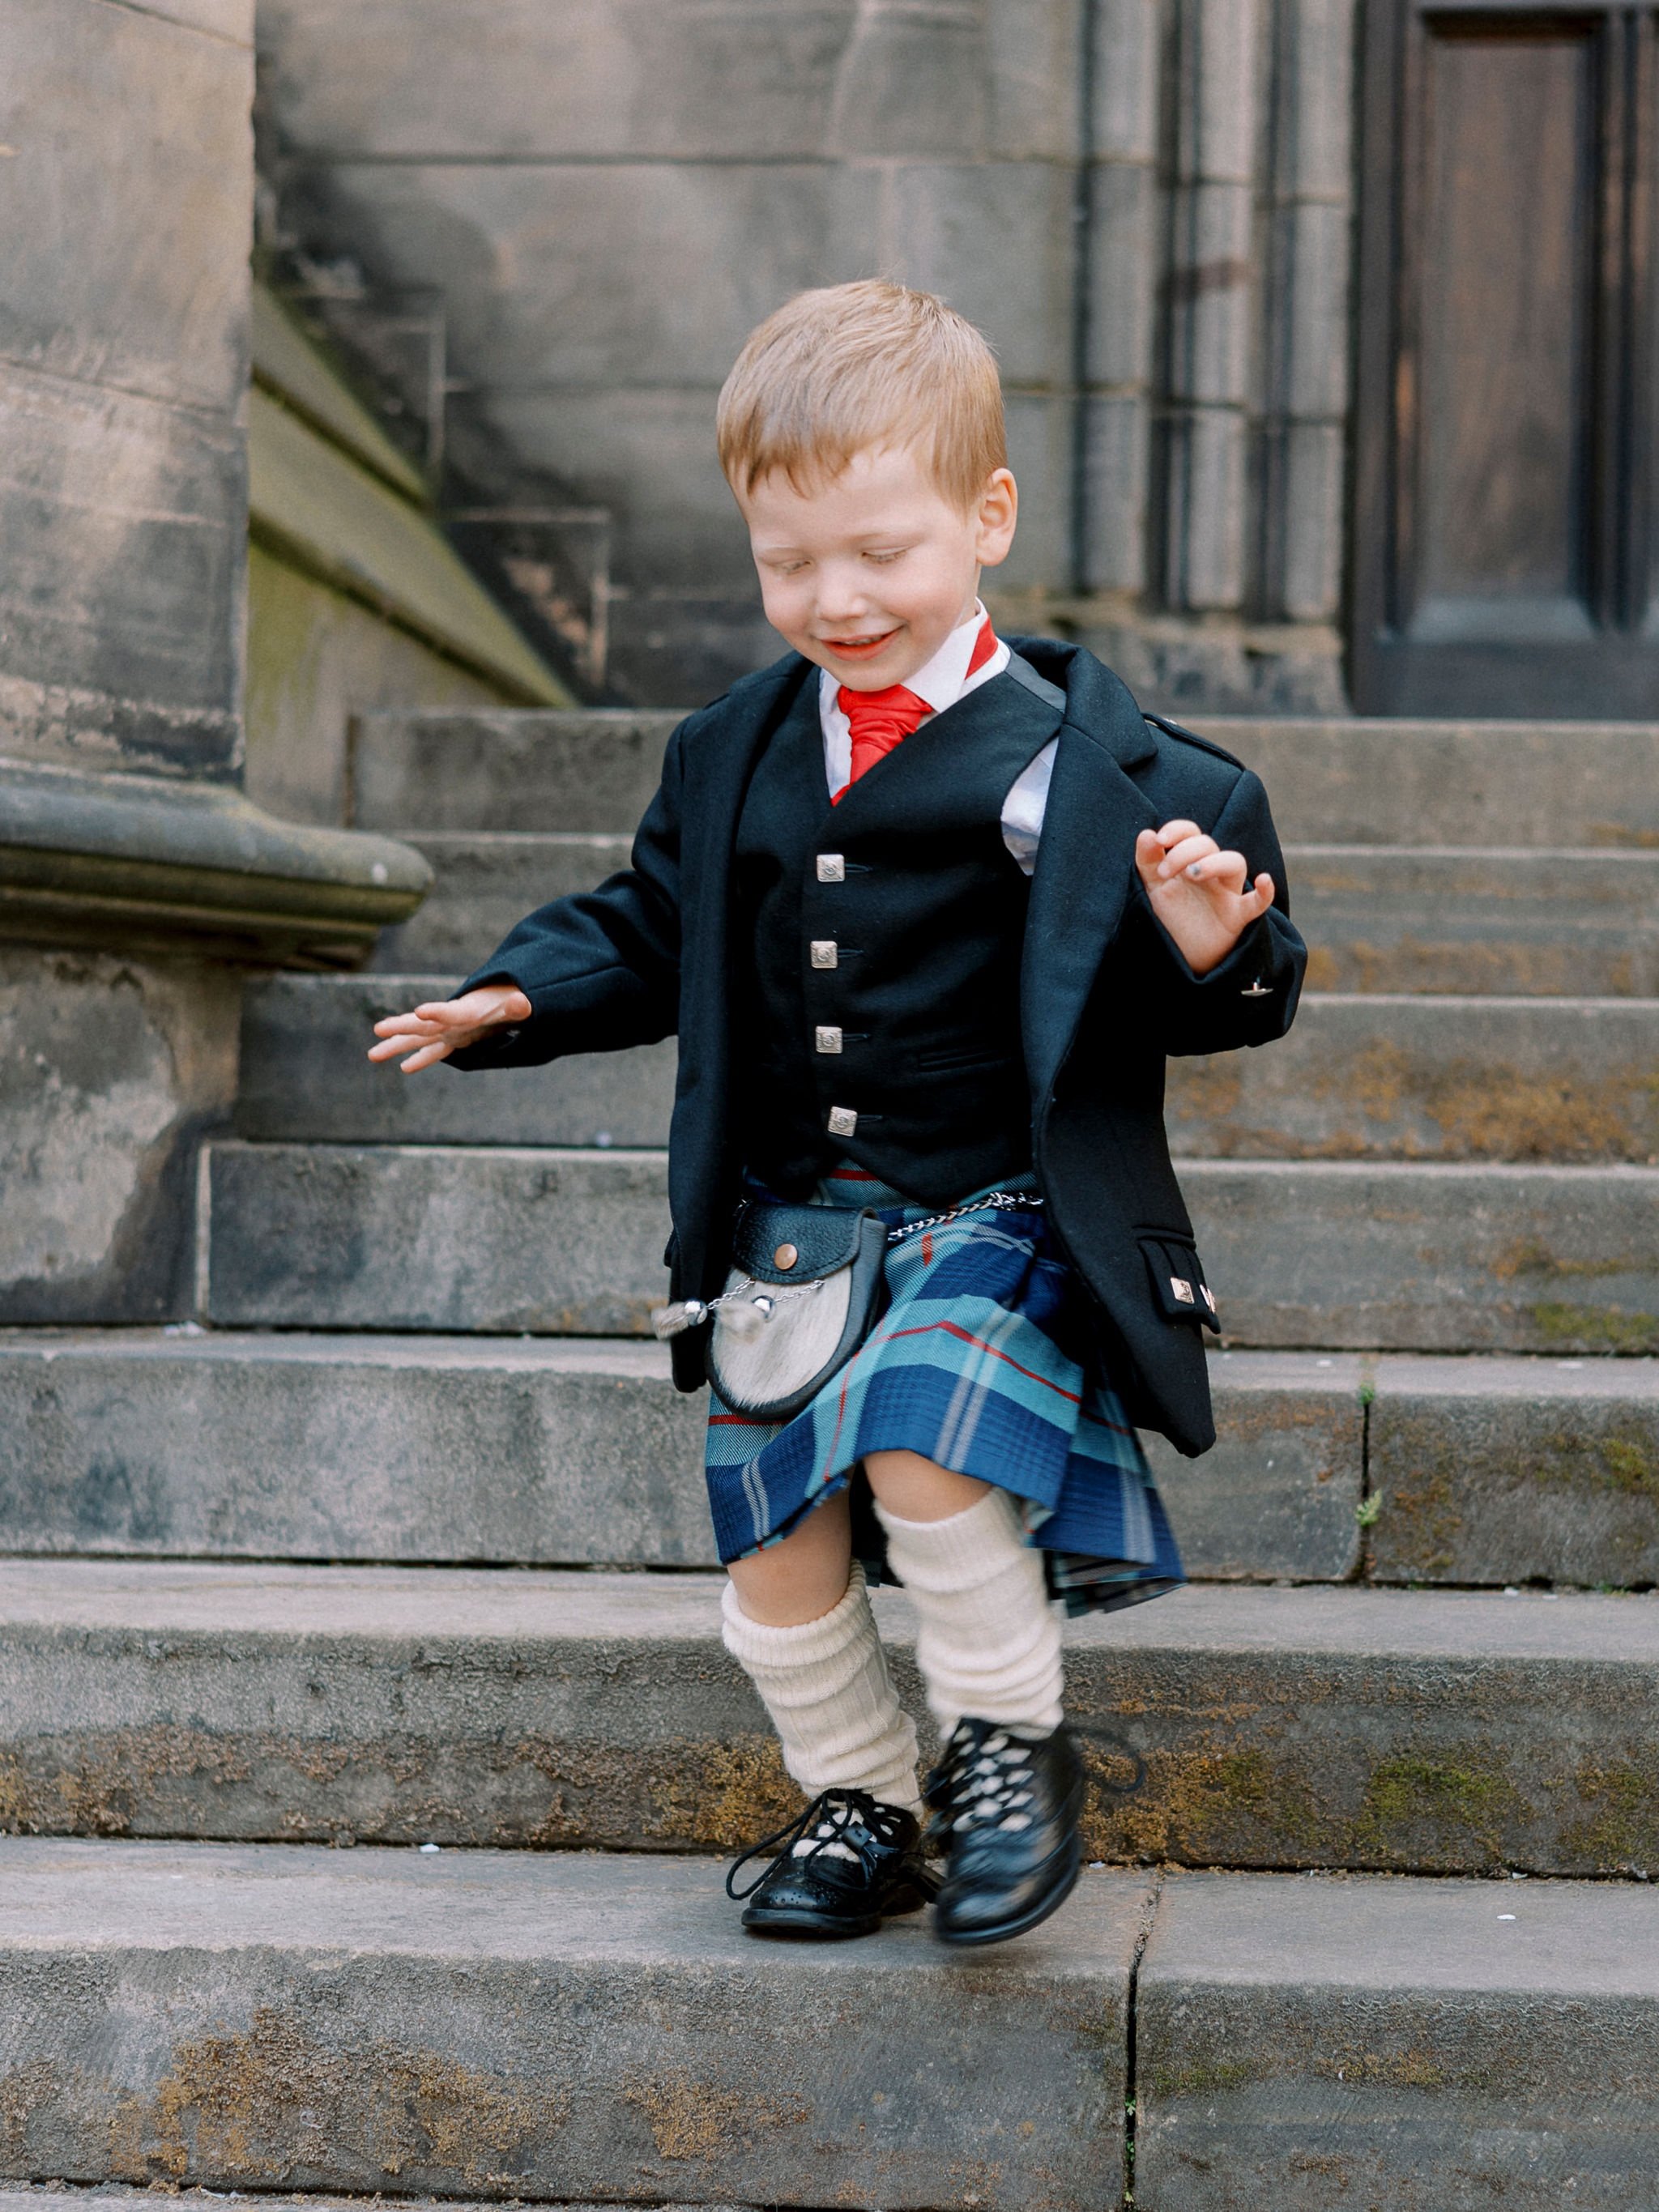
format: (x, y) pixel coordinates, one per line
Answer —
(857, 648)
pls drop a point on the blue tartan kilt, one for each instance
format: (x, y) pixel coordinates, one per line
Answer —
(982, 1362)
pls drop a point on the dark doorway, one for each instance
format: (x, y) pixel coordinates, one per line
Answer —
(1505, 554)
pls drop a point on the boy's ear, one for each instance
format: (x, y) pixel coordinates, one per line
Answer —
(999, 511)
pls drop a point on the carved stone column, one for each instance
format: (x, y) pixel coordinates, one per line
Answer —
(136, 879)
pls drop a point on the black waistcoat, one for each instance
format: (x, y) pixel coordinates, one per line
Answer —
(876, 982)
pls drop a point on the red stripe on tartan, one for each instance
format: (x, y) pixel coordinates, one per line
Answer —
(852, 1175)
(737, 1421)
(979, 1344)
(840, 1418)
(926, 1248)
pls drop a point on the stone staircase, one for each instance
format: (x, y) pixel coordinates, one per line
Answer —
(403, 1543)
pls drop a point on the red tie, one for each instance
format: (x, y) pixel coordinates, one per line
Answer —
(880, 721)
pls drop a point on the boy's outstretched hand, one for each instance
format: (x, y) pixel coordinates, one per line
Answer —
(432, 1032)
(1198, 891)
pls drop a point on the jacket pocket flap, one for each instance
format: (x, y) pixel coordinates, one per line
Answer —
(1176, 1273)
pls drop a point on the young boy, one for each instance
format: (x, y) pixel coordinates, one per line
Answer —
(926, 913)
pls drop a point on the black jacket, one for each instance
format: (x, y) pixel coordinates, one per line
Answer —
(1104, 996)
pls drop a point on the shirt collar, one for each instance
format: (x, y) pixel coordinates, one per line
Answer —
(939, 681)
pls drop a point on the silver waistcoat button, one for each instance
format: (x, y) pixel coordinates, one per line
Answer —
(832, 868)
(827, 1040)
(825, 951)
(843, 1121)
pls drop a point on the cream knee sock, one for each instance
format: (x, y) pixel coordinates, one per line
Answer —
(987, 1641)
(826, 1686)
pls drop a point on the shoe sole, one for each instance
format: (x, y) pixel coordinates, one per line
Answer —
(1005, 1930)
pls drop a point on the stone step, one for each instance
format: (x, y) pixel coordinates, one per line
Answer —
(484, 885)
(1341, 1255)
(1376, 782)
(1455, 1732)
(595, 2030)
(1377, 918)
(1398, 2046)
(454, 1450)
(1396, 1077)
(304, 1075)
(566, 2028)
(1552, 923)
(552, 1452)
(1388, 782)
(484, 769)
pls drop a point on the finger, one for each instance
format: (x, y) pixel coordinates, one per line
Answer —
(1173, 832)
(1149, 852)
(395, 1047)
(451, 1013)
(1180, 857)
(403, 1024)
(429, 1055)
(1223, 871)
(1256, 901)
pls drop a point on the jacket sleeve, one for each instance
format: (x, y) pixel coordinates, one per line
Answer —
(1250, 997)
(601, 969)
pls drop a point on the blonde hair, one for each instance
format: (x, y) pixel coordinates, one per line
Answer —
(834, 371)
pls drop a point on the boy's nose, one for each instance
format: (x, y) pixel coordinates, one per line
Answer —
(842, 601)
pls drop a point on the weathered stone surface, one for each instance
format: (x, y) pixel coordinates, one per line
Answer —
(452, 1450)
(567, 2028)
(304, 1447)
(1438, 1258)
(1347, 1254)
(97, 289)
(1279, 1728)
(1279, 1493)
(755, 232)
(1376, 920)
(146, 864)
(110, 1070)
(428, 1238)
(994, 238)
(1515, 1471)
(306, 1075)
(1401, 2045)
(1420, 1077)
(1558, 922)
(483, 885)
(504, 769)
(122, 363)
(125, 524)
(1400, 782)
(1399, 1077)
(646, 453)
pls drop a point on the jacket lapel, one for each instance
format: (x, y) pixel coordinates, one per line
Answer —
(717, 774)
(1084, 870)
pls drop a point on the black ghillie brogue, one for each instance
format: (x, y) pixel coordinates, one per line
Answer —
(846, 1863)
(1006, 1813)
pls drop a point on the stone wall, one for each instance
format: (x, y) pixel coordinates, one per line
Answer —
(1145, 203)
(135, 879)
(125, 191)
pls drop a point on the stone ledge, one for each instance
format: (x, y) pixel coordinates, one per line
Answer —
(150, 866)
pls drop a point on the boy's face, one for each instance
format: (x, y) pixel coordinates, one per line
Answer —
(868, 573)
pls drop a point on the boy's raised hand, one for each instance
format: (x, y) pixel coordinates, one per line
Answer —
(432, 1031)
(1198, 891)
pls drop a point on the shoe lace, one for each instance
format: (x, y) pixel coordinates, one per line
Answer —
(984, 1782)
(848, 1824)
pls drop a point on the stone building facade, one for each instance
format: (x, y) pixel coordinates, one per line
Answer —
(1147, 204)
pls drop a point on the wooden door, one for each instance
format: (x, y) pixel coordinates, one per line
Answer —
(1505, 527)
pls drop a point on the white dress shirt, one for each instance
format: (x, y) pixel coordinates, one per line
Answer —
(941, 683)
